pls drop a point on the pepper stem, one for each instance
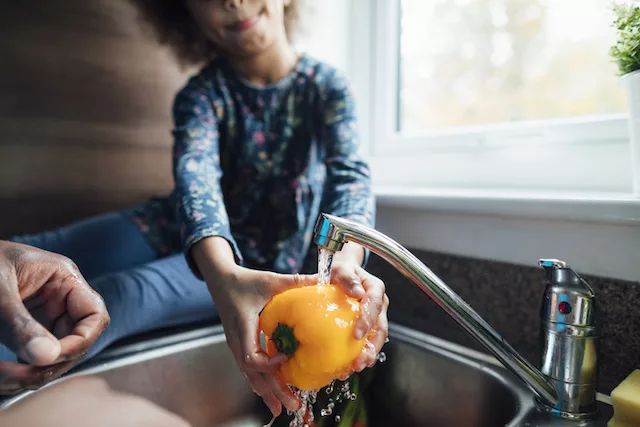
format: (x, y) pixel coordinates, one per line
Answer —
(284, 339)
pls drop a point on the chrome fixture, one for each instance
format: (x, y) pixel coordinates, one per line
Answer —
(565, 385)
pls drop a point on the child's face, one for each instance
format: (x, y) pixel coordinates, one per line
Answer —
(240, 27)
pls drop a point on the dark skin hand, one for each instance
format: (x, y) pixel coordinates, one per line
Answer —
(49, 316)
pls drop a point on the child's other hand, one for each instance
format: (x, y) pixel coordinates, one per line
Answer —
(370, 291)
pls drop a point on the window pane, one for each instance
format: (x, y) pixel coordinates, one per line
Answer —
(473, 62)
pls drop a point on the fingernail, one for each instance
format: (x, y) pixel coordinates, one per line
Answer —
(42, 351)
(358, 289)
(361, 331)
(294, 405)
(276, 409)
(278, 359)
(360, 366)
(345, 376)
(72, 357)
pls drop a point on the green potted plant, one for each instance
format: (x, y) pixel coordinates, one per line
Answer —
(626, 54)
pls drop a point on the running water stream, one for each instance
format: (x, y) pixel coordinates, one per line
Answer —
(325, 259)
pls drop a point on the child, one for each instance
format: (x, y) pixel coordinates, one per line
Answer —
(265, 141)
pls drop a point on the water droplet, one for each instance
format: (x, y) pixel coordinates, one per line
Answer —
(386, 340)
(329, 389)
(353, 396)
(325, 412)
(382, 357)
(338, 418)
(331, 405)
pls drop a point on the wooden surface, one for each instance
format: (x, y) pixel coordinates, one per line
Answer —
(85, 103)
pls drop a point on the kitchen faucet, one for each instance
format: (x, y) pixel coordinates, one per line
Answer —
(565, 384)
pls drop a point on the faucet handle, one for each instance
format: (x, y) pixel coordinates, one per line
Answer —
(552, 264)
(560, 274)
(568, 298)
(569, 338)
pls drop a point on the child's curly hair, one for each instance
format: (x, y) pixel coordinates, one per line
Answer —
(173, 26)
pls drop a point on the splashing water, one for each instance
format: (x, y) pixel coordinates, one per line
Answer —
(329, 389)
(303, 415)
(344, 393)
(325, 259)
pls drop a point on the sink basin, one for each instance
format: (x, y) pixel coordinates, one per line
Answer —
(424, 382)
(430, 382)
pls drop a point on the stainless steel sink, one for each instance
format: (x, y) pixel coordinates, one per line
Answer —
(425, 381)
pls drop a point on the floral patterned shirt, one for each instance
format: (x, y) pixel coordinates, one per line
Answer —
(257, 166)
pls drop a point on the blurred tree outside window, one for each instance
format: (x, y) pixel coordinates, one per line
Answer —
(480, 62)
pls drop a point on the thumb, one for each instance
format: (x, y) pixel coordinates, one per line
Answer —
(21, 333)
(281, 282)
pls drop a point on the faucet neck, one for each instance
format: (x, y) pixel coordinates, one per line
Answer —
(333, 232)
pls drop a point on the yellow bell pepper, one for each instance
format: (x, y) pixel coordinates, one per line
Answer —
(314, 326)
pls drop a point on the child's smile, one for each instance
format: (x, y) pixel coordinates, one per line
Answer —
(245, 24)
(241, 27)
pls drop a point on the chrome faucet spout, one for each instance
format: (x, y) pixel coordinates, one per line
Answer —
(332, 232)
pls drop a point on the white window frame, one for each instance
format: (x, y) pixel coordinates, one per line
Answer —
(554, 188)
(583, 155)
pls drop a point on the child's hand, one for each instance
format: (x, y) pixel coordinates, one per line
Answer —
(240, 296)
(373, 323)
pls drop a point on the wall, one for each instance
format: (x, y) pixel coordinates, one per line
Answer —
(607, 249)
(325, 33)
(84, 112)
(85, 103)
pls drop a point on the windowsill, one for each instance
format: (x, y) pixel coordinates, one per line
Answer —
(595, 234)
(605, 208)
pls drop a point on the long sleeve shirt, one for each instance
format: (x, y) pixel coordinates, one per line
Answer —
(258, 165)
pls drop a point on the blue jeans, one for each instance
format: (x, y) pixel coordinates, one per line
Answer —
(141, 290)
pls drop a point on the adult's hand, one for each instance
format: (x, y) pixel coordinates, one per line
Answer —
(87, 401)
(49, 316)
